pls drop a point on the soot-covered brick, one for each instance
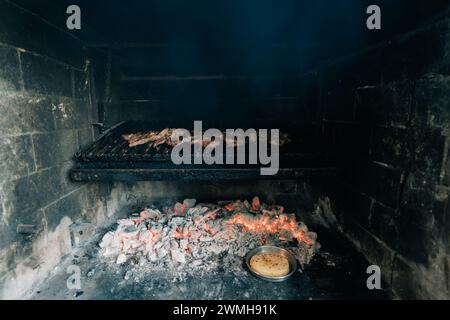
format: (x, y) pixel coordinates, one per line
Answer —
(9, 69)
(45, 75)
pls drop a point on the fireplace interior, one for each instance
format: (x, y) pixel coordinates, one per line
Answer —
(363, 179)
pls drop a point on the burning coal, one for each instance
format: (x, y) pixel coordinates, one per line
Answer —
(206, 236)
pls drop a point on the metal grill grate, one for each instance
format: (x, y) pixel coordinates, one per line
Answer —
(110, 158)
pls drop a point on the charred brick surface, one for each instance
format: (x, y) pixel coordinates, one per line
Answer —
(397, 191)
(46, 116)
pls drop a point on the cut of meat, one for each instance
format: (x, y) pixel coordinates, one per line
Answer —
(158, 138)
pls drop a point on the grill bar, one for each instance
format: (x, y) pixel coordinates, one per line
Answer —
(110, 158)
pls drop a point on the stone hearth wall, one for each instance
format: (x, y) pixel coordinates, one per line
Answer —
(167, 81)
(45, 116)
(386, 111)
(297, 196)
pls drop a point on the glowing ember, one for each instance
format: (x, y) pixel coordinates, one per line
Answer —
(181, 234)
(279, 224)
(255, 204)
(190, 235)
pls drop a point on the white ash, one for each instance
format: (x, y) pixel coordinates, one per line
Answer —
(195, 239)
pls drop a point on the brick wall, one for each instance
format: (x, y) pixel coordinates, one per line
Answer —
(46, 115)
(386, 111)
(161, 81)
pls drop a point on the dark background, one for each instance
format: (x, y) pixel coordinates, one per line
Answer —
(319, 29)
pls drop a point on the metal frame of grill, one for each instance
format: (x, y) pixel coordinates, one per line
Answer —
(110, 159)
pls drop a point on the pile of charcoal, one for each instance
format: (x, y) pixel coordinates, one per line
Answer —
(204, 237)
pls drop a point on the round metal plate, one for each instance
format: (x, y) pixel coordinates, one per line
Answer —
(271, 249)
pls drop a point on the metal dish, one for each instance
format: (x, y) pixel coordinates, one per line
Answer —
(271, 249)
